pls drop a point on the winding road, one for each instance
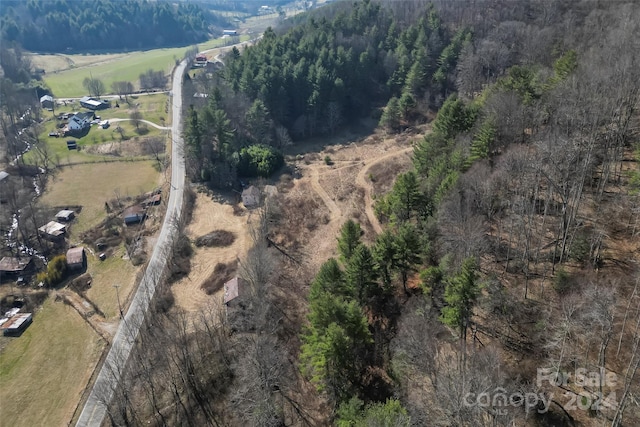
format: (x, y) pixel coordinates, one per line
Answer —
(103, 390)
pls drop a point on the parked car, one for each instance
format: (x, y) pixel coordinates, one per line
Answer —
(105, 124)
(54, 134)
(95, 122)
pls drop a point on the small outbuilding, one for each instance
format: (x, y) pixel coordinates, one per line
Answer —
(134, 215)
(16, 324)
(251, 197)
(65, 215)
(76, 258)
(53, 230)
(46, 101)
(14, 266)
(234, 290)
(94, 103)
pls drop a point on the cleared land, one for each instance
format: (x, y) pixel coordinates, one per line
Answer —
(209, 215)
(91, 185)
(126, 67)
(44, 372)
(152, 108)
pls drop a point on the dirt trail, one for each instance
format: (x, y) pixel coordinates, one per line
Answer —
(362, 182)
(315, 184)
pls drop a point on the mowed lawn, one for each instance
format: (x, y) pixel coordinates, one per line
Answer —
(68, 83)
(44, 372)
(91, 185)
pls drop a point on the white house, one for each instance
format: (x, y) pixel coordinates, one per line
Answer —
(79, 122)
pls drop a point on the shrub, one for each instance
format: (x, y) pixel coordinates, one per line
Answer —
(56, 270)
(259, 160)
(327, 160)
(562, 281)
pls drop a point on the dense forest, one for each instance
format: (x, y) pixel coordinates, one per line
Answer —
(314, 77)
(83, 25)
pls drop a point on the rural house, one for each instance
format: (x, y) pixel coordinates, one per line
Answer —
(251, 197)
(79, 122)
(14, 266)
(76, 258)
(46, 102)
(134, 215)
(53, 230)
(65, 215)
(93, 103)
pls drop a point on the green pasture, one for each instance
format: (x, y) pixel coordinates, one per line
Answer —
(68, 83)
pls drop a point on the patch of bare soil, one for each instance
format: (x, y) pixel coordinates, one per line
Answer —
(327, 195)
(210, 215)
(217, 238)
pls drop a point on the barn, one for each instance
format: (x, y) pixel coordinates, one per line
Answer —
(76, 258)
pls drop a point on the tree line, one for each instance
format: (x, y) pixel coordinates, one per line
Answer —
(61, 26)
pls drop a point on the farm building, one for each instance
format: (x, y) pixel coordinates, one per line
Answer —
(251, 197)
(93, 103)
(234, 290)
(3, 175)
(65, 215)
(72, 145)
(79, 122)
(46, 101)
(16, 324)
(14, 266)
(53, 230)
(134, 215)
(76, 258)
(229, 33)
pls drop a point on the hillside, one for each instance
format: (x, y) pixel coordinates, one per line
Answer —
(491, 279)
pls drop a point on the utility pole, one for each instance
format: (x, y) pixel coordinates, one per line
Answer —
(118, 297)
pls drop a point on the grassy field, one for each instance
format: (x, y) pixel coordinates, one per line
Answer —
(44, 372)
(91, 185)
(112, 271)
(153, 108)
(127, 67)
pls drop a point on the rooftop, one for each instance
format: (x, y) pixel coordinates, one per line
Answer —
(232, 289)
(14, 264)
(53, 228)
(75, 255)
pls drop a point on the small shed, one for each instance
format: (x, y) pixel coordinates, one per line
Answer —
(14, 266)
(251, 197)
(76, 258)
(65, 215)
(46, 101)
(234, 290)
(134, 215)
(16, 324)
(53, 230)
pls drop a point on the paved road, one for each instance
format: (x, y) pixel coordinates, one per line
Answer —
(94, 410)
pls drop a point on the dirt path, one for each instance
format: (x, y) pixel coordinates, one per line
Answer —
(362, 182)
(315, 184)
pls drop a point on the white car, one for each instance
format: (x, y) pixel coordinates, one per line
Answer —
(104, 124)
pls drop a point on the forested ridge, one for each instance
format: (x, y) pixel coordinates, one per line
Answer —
(83, 25)
(509, 248)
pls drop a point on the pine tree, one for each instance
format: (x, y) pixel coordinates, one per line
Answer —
(349, 239)
(460, 294)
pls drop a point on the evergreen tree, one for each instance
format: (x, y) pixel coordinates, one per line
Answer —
(349, 239)
(361, 275)
(460, 294)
